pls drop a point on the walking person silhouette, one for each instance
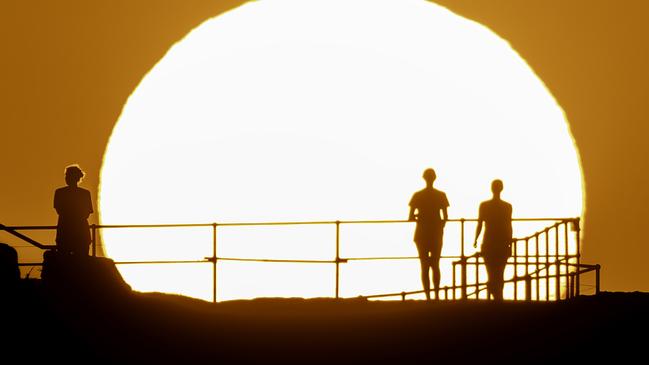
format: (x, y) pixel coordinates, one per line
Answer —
(496, 215)
(425, 208)
(73, 205)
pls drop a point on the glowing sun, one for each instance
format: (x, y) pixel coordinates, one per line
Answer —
(298, 110)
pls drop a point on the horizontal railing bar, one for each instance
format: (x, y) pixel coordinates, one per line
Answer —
(134, 262)
(521, 260)
(34, 228)
(585, 271)
(28, 246)
(542, 263)
(232, 224)
(171, 225)
(278, 260)
(244, 224)
(205, 261)
(455, 287)
(457, 220)
(544, 219)
(382, 258)
(161, 262)
(342, 259)
(383, 221)
(29, 240)
(588, 266)
(537, 233)
(393, 258)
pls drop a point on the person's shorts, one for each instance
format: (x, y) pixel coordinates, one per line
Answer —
(427, 250)
(428, 238)
(495, 253)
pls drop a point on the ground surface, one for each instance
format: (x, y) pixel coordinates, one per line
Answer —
(45, 325)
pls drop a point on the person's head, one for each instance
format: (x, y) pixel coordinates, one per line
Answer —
(73, 175)
(497, 187)
(429, 176)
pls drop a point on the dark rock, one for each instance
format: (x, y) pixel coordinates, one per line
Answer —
(9, 272)
(82, 275)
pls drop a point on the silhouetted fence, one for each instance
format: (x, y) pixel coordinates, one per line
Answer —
(544, 265)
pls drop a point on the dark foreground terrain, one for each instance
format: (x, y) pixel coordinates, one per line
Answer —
(44, 325)
(83, 312)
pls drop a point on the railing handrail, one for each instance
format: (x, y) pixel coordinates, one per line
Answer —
(29, 240)
(534, 238)
(268, 223)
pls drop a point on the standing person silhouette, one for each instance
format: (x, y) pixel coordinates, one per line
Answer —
(73, 205)
(425, 207)
(496, 215)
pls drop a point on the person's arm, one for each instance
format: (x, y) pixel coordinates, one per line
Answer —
(413, 206)
(89, 204)
(478, 228)
(510, 232)
(444, 215)
(444, 209)
(411, 216)
(56, 202)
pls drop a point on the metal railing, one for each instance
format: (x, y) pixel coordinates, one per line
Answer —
(546, 252)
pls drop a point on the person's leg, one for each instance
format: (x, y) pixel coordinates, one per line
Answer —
(434, 264)
(424, 260)
(436, 254)
(498, 279)
(489, 265)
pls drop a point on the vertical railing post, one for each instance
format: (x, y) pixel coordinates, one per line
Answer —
(337, 259)
(515, 282)
(577, 234)
(93, 239)
(477, 278)
(463, 262)
(527, 265)
(546, 265)
(566, 256)
(597, 267)
(454, 281)
(214, 260)
(568, 285)
(557, 262)
(537, 269)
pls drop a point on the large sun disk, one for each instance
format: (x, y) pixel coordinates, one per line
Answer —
(297, 110)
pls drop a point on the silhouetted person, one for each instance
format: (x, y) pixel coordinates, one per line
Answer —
(425, 208)
(496, 215)
(73, 204)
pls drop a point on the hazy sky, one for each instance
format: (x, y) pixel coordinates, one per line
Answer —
(67, 67)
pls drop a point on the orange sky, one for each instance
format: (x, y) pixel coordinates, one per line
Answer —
(67, 67)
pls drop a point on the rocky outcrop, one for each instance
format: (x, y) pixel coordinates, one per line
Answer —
(82, 275)
(9, 273)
